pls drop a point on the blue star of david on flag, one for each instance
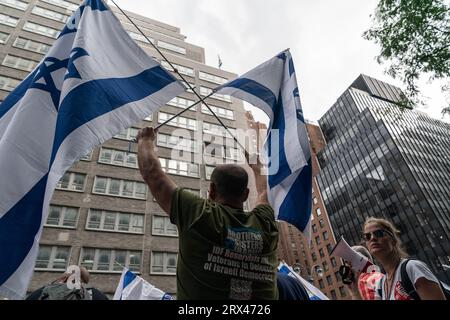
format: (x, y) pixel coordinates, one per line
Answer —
(43, 78)
(94, 82)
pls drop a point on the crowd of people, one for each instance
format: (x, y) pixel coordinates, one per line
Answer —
(227, 253)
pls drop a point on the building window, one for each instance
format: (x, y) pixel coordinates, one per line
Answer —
(314, 256)
(53, 15)
(220, 112)
(329, 280)
(218, 130)
(140, 37)
(118, 158)
(212, 78)
(63, 4)
(115, 221)
(178, 143)
(8, 20)
(19, 5)
(19, 63)
(180, 122)
(333, 295)
(188, 89)
(171, 47)
(325, 235)
(163, 263)
(321, 253)
(40, 29)
(317, 240)
(127, 134)
(87, 157)
(181, 168)
(181, 103)
(8, 84)
(333, 262)
(342, 291)
(181, 69)
(318, 212)
(315, 200)
(149, 118)
(325, 266)
(321, 285)
(208, 172)
(52, 257)
(322, 224)
(3, 37)
(72, 181)
(60, 216)
(329, 248)
(120, 188)
(204, 91)
(107, 260)
(162, 226)
(337, 275)
(220, 151)
(314, 228)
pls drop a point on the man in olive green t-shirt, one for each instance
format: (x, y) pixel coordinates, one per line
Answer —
(224, 252)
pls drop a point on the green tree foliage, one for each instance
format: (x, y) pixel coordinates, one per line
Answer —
(414, 36)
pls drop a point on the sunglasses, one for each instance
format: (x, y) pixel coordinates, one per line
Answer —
(380, 233)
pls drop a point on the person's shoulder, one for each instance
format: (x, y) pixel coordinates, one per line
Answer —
(265, 210)
(414, 264)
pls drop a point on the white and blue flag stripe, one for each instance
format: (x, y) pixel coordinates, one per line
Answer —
(313, 292)
(133, 287)
(272, 87)
(94, 82)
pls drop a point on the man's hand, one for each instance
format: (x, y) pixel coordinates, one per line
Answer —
(146, 135)
(260, 179)
(161, 186)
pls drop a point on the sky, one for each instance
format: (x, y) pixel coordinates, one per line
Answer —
(324, 37)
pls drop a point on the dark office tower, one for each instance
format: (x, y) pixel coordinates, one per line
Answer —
(386, 161)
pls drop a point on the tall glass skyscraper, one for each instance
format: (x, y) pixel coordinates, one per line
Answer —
(386, 161)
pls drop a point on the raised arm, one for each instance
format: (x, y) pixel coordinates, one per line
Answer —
(161, 186)
(260, 179)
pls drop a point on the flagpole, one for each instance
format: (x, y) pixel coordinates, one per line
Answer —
(181, 76)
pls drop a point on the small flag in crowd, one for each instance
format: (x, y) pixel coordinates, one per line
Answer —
(272, 87)
(93, 83)
(313, 292)
(133, 287)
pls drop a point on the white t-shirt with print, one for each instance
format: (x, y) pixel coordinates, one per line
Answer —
(415, 269)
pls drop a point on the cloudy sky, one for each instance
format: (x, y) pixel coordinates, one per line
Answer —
(324, 37)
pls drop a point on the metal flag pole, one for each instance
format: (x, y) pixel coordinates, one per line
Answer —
(181, 76)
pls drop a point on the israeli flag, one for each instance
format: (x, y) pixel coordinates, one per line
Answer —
(272, 87)
(313, 292)
(94, 82)
(133, 287)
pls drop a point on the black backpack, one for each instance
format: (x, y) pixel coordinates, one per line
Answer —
(409, 287)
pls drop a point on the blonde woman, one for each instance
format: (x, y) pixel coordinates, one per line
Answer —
(383, 242)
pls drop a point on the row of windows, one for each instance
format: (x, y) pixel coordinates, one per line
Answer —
(105, 260)
(114, 221)
(50, 14)
(16, 4)
(3, 37)
(181, 69)
(19, 63)
(140, 37)
(8, 20)
(63, 4)
(8, 84)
